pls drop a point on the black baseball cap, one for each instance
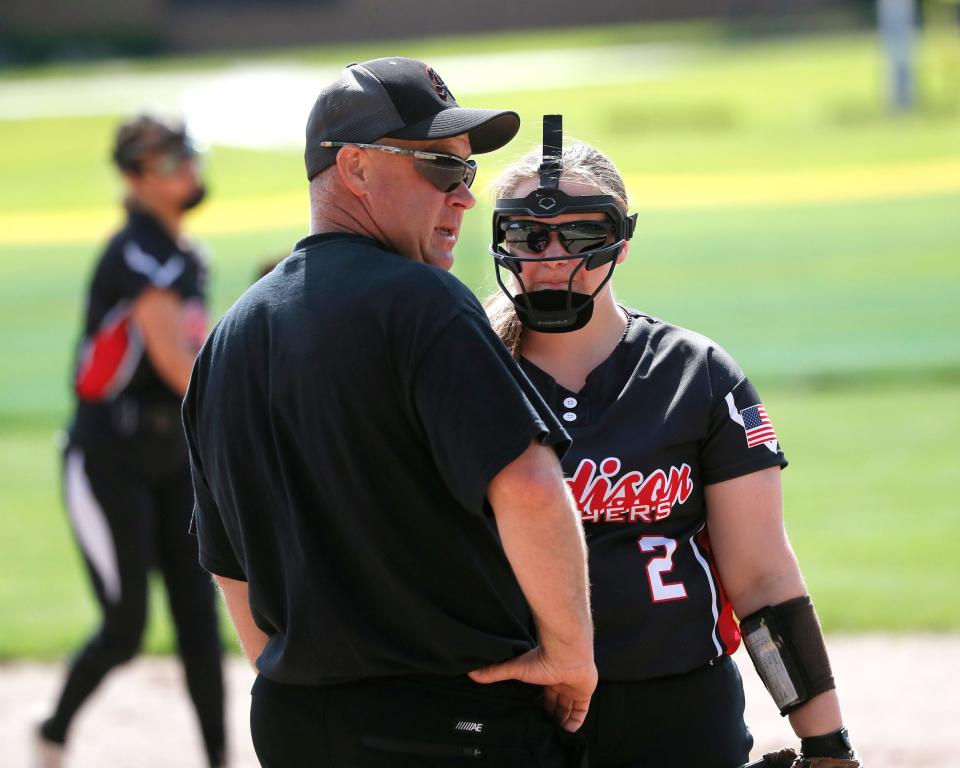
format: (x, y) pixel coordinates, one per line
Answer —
(397, 98)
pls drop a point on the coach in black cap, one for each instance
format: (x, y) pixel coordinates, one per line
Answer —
(377, 486)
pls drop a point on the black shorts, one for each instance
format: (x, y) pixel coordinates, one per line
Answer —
(693, 720)
(415, 722)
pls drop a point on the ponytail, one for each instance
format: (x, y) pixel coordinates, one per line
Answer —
(506, 324)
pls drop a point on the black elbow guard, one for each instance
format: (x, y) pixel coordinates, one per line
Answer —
(785, 643)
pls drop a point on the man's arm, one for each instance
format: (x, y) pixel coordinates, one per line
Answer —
(158, 314)
(543, 540)
(252, 638)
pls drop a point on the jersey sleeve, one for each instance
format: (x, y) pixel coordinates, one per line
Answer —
(479, 410)
(740, 435)
(146, 263)
(216, 553)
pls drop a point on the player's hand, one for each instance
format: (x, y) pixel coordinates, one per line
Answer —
(567, 686)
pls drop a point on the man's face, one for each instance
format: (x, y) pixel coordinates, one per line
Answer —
(415, 218)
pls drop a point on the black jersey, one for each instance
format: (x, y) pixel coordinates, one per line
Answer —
(666, 414)
(345, 419)
(119, 392)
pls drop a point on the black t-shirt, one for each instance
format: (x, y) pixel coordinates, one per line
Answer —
(345, 419)
(668, 413)
(120, 395)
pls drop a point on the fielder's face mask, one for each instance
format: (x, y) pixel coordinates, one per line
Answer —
(593, 243)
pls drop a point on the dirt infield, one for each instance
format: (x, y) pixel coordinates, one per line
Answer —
(900, 698)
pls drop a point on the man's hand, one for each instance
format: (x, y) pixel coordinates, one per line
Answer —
(252, 638)
(542, 537)
(567, 686)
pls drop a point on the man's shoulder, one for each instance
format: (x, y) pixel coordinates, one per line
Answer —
(437, 282)
(248, 310)
(432, 298)
(374, 269)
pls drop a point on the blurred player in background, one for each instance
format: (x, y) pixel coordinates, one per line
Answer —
(676, 469)
(126, 475)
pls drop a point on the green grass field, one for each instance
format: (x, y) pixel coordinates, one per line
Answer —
(781, 213)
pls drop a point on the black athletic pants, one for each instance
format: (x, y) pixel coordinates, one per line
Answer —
(127, 520)
(419, 722)
(683, 721)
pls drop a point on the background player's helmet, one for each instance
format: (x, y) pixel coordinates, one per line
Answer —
(553, 311)
(148, 134)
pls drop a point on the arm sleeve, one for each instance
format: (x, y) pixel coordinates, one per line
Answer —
(479, 410)
(217, 555)
(143, 265)
(738, 424)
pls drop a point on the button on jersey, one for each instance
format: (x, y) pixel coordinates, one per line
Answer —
(666, 414)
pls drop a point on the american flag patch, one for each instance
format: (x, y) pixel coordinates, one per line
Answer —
(757, 425)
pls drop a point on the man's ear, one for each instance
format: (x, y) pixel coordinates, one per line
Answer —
(353, 170)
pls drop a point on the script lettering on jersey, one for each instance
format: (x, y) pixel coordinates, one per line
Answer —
(633, 498)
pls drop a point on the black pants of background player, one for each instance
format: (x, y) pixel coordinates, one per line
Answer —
(693, 720)
(420, 722)
(126, 520)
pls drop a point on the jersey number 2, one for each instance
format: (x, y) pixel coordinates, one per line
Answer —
(660, 590)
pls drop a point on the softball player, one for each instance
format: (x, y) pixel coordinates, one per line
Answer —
(126, 475)
(675, 467)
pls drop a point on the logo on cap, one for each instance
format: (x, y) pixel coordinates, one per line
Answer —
(546, 203)
(438, 85)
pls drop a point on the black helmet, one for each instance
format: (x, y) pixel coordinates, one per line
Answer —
(557, 311)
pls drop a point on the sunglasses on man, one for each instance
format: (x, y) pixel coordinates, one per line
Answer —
(445, 172)
(576, 237)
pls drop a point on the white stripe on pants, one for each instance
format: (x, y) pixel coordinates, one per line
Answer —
(90, 525)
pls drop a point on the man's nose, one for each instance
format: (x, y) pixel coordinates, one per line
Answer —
(461, 197)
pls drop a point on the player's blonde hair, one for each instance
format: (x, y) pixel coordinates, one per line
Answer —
(582, 164)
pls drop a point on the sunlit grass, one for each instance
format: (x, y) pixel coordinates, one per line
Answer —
(842, 305)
